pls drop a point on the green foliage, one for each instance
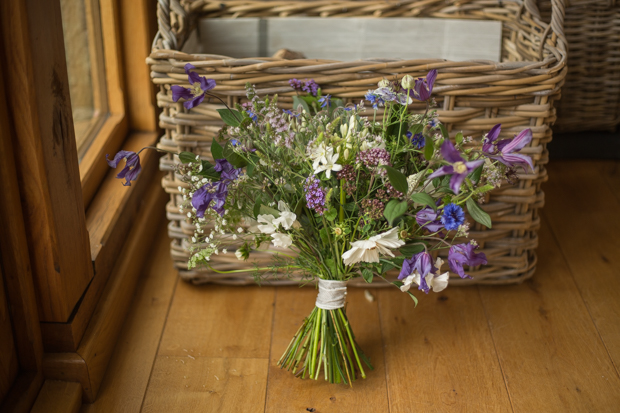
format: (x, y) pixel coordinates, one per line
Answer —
(217, 152)
(367, 274)
(477, 213)
(424, 199)
(188, 157)
(394, 210)
(397, 179)
(230, 117)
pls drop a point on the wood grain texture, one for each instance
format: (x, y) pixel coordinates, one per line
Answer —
(8, 357)
(550, 351)
(58, 397)
(204, 384)
(440, 355)
(287, 393)
(587, 233)
(127, 376)
(46, 155)
(109, 219)
(217, 321)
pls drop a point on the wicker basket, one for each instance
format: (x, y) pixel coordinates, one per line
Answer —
(591, 94)
(473, 96)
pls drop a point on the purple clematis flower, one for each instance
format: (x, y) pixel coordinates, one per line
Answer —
(504, 150)
(196, 93)
(429, 219)
(201, 200)
(463, 254)
(458, 168)
(424, 88)
(132, 166)
(421, 262)
(226, 170)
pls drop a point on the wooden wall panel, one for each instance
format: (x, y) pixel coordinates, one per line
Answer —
(8, 357)
(46, 156)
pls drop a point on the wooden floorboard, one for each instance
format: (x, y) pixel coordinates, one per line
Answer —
(547, 345)
(126, 379)
(583, 214)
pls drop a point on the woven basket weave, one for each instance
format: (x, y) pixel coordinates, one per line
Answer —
(518, 92)
(591, 94)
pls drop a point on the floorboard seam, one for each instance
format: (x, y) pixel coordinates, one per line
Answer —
(501, 369)
(148, 383)
(387, 387)
(608, 183)
(273, 323)
(585, 303)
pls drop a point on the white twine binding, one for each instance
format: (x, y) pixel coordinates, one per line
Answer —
(332, 294)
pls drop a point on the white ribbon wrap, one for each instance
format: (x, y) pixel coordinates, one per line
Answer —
(332, 294)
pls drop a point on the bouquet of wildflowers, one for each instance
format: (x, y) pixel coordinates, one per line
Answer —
(346, 195)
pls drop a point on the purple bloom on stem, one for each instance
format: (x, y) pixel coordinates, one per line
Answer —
(417, 140)
(424, 88)
(421, 262)
(325, 101)
(132, 166)
(310, 86)
(195, 94)
(458, 168)
(453, 216)
(428, 218)
(504, 150)
(463, 254)
(295, 84)
(226, 170)
(202, 198)
(315, 195)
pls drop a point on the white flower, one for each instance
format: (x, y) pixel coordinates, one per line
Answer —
(287, 218)
(413, 278)
(240, 230)
(281, 240)
(368, 250)
(317, 152)
(239, 255)
(270, 227)
(283, 206)
(234, 236)
(414, 180)
(224, 251)
(328, 164)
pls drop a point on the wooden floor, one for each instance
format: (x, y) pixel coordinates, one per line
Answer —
(551, 344)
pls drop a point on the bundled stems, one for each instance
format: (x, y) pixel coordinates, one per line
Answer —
(325, 341)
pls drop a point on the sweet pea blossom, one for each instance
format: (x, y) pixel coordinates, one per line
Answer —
(195, 94)
(424, 87)
(132, 166)
(268, 227)
(416, 269)
(281, 240)
(463, 254)
(368, 250)
(458, 168)
(504, 150)
(436, 281)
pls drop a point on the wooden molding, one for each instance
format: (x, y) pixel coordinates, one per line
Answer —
(58, 397)
(89, 363)
(108, 220)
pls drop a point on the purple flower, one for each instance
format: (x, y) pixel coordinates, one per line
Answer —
(195, 94)
(226, 170)
(290, 113)
(375, 100)
(453, 216)
(132, 166)
(202, 198)
(417, 140)
(295, 84)
(310, 86)
(458, 168)
(428, 218)
(504, 150)
(325, 101)
(315, 195)
(421, 262)
(386, 94)
(463, 254)
(423, 88)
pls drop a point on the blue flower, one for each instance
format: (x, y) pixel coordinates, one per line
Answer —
(375, 100)
(290, 113)
(196, 94)
(417, 140)
(132, 166)
(453, 217)
(252, 115)
(325, 101)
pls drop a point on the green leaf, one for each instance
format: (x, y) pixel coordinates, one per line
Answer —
(252, 165)
(475, 175)
(367, 274)
(230, 117)
(331, 214)
(210, 173)
(483, 189)
(459, 138)
(411, 250)
(188, 157)
(257, 206)
(351, 206)
(386, 266)
(444, 131)
(324, 237)
(424, 199)
(477, 213)
(331, 264)
(397, 179)
(265, 210)
(417, 128)
(297, 101)
(429, 148)
(233, 157)
(394, 209)
(216, 150)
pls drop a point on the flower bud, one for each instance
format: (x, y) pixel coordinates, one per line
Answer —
(408, 82)
(384, 83)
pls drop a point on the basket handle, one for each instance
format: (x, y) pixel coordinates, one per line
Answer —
(172, 23)
(555, 26)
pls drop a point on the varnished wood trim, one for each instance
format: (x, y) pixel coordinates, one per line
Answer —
(58, 397)
(22, 395)
(109, 220)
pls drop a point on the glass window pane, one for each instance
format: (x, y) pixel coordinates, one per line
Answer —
(85, 67)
